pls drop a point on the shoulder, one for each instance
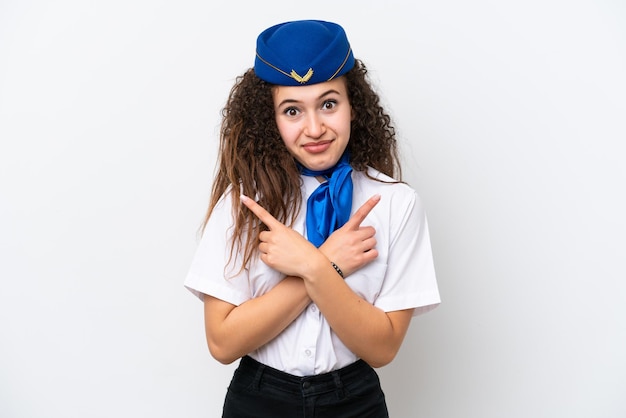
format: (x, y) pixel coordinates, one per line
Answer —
(373, 181)
(398, 200)
(222, 212)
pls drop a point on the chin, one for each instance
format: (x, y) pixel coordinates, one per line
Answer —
(320, 164)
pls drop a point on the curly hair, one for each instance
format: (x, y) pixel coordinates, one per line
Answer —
(254, 161)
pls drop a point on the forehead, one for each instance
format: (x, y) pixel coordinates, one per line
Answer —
(309, 93)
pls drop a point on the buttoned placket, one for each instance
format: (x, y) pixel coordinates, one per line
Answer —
(313, 317)
(308, 349)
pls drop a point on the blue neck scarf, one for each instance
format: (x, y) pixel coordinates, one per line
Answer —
(329, 206)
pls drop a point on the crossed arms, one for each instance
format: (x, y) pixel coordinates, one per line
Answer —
(372, 334)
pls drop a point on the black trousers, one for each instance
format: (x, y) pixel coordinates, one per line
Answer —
(259, 391)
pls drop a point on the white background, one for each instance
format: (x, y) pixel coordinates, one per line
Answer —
(511, 116)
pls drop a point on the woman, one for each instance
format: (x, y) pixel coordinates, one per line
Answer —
(310, 293)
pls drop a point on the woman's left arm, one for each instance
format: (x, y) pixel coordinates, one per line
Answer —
(369, 332)
(372, 334)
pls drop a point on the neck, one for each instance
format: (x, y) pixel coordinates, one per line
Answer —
(344, 160)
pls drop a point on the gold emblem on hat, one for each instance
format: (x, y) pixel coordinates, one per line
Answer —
(301, 79)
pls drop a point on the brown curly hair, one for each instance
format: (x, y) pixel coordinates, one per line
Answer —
(254, 161)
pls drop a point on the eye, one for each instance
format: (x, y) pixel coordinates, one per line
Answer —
(291, 111)
(329, 104)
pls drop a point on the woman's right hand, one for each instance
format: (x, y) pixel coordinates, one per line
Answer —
(353, 246)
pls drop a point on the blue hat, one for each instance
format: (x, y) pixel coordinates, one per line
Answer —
(302, 52)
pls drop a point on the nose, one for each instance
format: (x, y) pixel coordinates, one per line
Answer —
(314, 126)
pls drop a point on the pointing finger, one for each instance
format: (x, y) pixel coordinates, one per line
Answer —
(363, 211)
(260, 212)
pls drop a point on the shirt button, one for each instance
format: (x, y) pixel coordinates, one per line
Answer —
(307, 352)
(313, 308)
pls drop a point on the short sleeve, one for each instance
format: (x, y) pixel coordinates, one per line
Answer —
(211, 272)
(410, 280)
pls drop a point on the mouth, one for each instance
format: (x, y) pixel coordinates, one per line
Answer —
(317, 147)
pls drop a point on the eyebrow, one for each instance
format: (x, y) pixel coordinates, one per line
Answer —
(321, 96)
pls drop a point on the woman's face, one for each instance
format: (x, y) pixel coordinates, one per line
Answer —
(314, 121)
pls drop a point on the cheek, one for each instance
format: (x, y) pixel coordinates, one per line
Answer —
(288, 133)
(347, 125)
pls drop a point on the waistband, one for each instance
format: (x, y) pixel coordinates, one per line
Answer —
(307, 385)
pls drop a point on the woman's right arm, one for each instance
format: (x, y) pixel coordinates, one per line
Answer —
(234, 331)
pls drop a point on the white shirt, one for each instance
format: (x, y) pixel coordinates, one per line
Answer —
(401, 277)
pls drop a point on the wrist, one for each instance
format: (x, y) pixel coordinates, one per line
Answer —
(318, 266)
(337, 269)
